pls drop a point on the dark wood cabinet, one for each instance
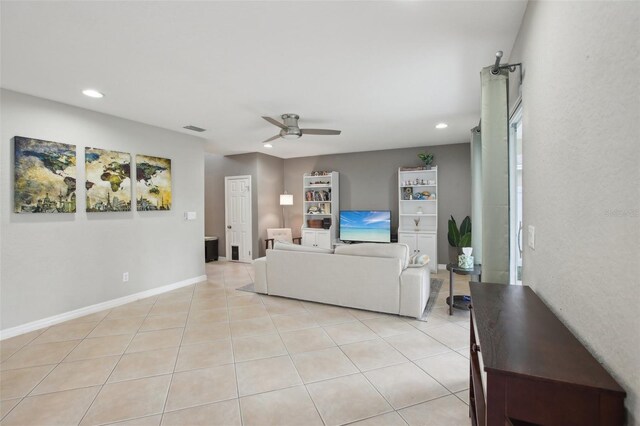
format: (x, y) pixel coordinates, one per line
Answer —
(527, 368)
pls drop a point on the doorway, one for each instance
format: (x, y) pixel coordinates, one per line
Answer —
(515, 195)
(238, 218)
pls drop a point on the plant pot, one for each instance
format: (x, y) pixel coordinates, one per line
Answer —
(454, 252)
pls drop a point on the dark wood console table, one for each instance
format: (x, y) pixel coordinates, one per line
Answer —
(527, 368)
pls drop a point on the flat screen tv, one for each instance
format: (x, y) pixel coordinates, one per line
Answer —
(371, 226)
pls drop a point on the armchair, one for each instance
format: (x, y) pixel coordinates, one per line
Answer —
(280, 234)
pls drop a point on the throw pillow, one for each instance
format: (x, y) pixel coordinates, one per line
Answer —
(418, 261)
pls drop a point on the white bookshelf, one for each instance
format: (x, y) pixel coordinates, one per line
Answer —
(321, 195)
(418, 202)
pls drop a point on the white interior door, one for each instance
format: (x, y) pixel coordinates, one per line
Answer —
(238, 217)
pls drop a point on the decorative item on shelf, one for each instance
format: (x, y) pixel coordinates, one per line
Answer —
(427, 159)
(407, 194)
(326, 223)
(314, 223)
(465, 260)
(418, 196)
(411, 169)
(320, 173)
(458, 238)
(313, 210)
(308, 196)
(432, 196)
(325, 208)
(417, 222)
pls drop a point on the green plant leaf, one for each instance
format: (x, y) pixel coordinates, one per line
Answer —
(453, 235)
(465, 240)
(465, 226)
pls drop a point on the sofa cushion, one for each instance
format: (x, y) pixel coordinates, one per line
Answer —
(281, 245)
(393, 250)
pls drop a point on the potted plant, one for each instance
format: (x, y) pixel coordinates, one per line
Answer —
(427, 159)
(458, 237)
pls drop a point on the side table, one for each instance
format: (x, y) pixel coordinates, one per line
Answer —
(459, 301)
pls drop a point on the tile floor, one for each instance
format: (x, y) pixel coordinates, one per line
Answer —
(209, 354)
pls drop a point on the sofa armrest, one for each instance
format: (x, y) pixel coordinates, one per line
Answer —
(415, 288)
(260, 280)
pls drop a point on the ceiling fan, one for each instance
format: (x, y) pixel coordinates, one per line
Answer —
(290, 129)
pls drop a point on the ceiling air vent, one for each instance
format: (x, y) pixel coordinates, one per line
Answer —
(194, 128)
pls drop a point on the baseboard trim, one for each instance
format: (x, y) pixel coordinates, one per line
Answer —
(77, 313)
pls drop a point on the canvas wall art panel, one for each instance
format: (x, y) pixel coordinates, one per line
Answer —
(45, 176)
(153, 187)
(108, 180)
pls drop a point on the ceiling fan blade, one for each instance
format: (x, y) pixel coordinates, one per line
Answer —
(320, 132)
(274, 122)
(272, 138)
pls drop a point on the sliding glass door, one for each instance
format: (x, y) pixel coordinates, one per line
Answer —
(515, 195)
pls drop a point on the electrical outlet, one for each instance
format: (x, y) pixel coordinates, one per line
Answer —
(532, 237)
(125, 277)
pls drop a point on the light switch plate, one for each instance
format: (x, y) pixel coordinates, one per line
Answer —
(189, 215)
(532, 237)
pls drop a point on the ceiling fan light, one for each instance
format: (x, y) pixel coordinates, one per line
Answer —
(267, 145)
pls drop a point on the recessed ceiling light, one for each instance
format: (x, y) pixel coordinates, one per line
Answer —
(267, 145)
(92, 93)
(442, 126)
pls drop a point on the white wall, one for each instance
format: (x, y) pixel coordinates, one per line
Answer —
(55, 263)
(581, 178)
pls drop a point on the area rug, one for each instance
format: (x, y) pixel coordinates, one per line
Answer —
(251, 288)
(436, 284)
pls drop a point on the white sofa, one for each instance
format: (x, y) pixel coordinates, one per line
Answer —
(374, 277)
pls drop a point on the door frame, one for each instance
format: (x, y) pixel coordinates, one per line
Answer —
(227, 240)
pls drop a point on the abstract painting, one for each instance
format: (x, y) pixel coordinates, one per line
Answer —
(45, 176)
(153, 187)
(108, 180)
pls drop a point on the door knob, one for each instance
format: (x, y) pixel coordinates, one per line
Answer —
(228, 226)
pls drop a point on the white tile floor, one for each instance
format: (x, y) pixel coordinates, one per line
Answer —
(209, 354)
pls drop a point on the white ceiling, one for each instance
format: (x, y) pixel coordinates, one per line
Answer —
(383, 72)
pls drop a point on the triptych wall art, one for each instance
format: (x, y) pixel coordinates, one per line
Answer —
(45, 176)
(45, 179)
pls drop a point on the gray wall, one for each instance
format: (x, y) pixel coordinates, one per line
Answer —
(216, 168)
(369, 180)
(266, 174)
(270, 184)
(581, 174)
(55, 263)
